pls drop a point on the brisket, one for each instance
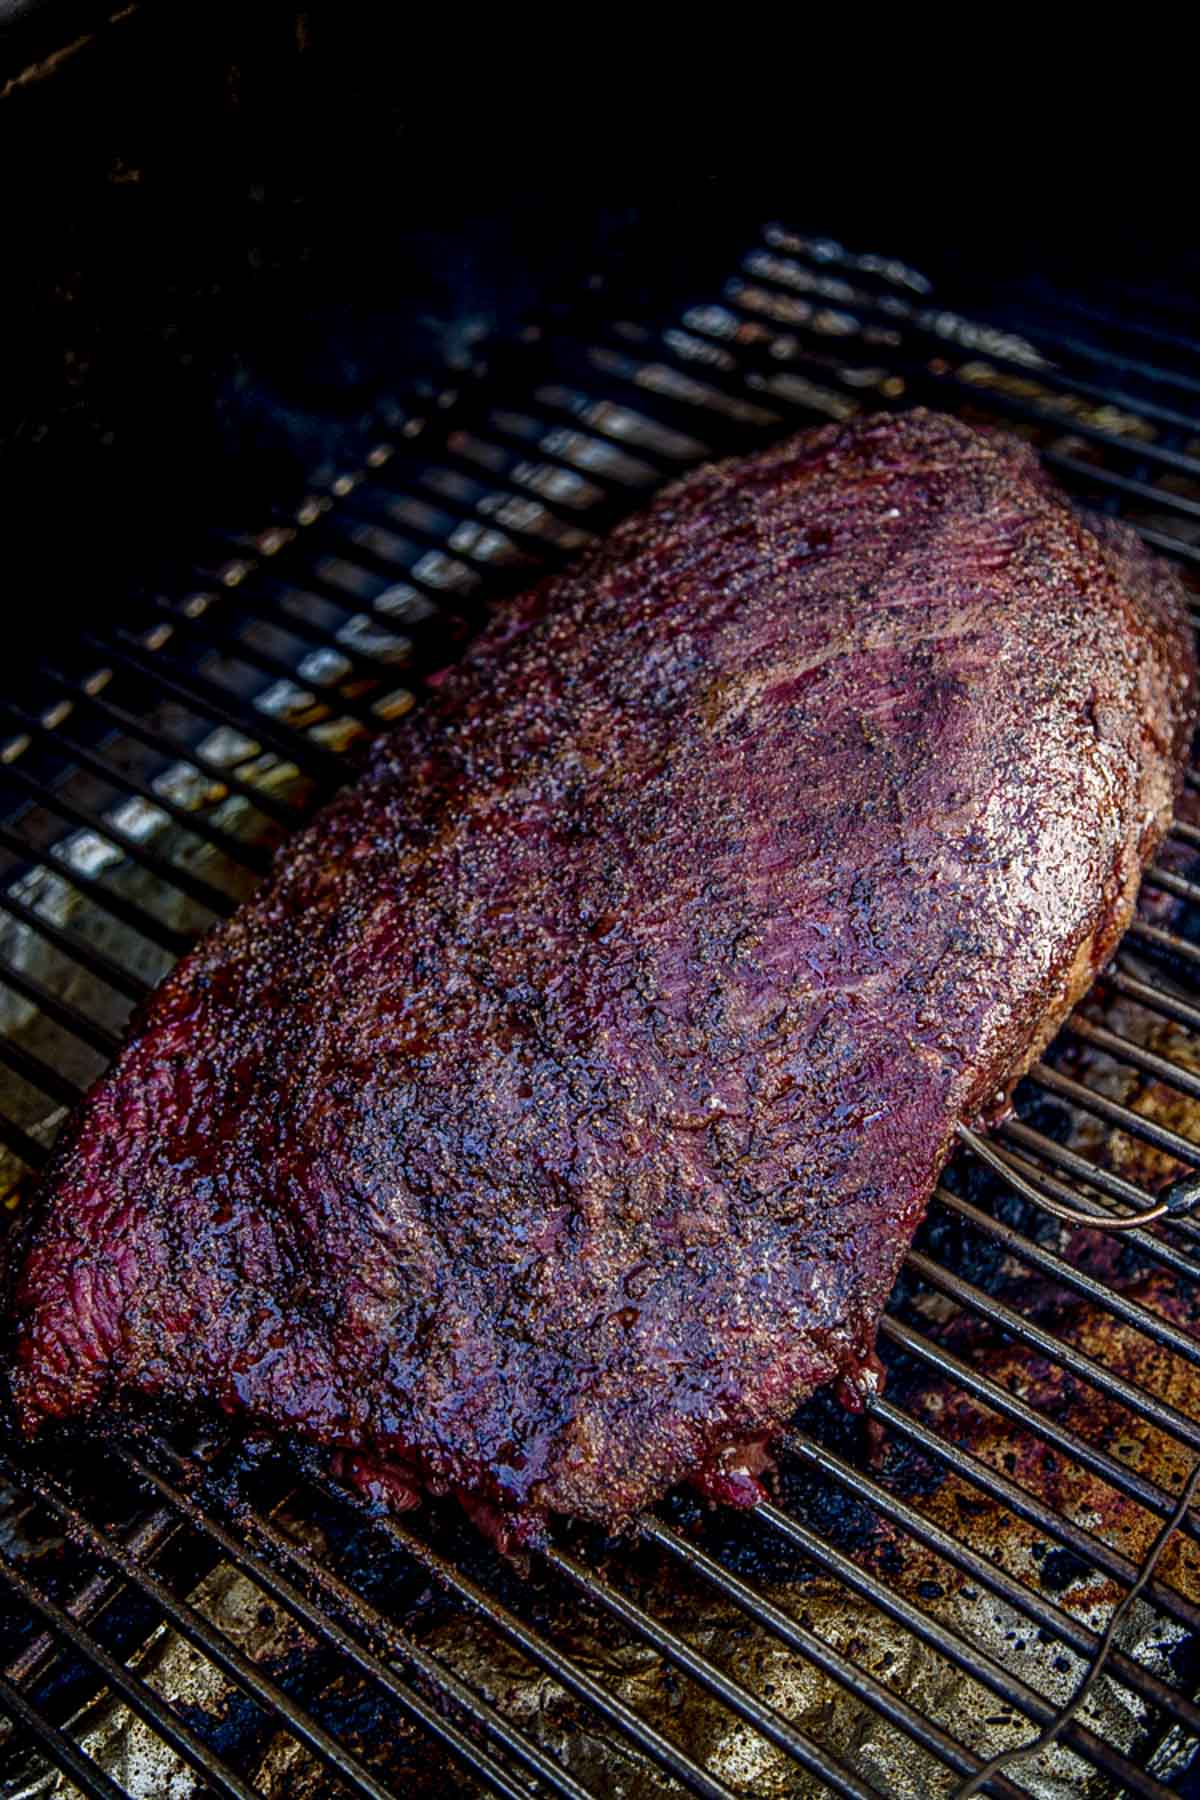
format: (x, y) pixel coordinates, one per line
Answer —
(558, 1115)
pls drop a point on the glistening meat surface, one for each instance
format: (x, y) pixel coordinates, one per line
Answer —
(559, 1114)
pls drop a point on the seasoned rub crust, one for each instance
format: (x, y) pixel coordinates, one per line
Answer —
(559, 1113)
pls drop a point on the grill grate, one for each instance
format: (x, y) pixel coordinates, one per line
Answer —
(932, 1582)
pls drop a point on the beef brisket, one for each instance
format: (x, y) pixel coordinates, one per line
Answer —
(559, 1113)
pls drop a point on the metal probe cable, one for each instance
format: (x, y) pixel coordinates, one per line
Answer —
(1177, 1201)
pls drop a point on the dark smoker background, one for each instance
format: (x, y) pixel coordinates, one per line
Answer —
(237, 240)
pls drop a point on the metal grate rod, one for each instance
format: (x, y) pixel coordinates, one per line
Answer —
(966, 1657)
(1113, 1113)
(1162, 499)
(764, 1613)
(1066, 1274)
(1154, 1248)
(250, 856)
(367, 1619)
(1090, 1550)
(1122, 1049)
(1162, 939)
(1114, 1387)
(208, 700)
(221, 1651)
(222, 638)
(21, 1145)
(992, 1395)
(204, 893)
(584, 424)
(160, 739)
(544, 550)
(1171, 883)
(1155, 999)
(534, 451)
(62, 1012)
(1056, 342)
(537, 1649)
(262, 593)
(61, 1750)
(113, 974)
(1010, 405)
(1055, 1620)
(136, 1693)
(37, 1073)
(1092, 474)
(107, 899)
(1115, 1186)
(765, 1719)
(1172, 546)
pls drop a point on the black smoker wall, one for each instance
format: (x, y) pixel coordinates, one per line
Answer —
(232, 236)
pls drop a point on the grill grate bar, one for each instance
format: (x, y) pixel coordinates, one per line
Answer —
(543, 550)
(504, 486)
(1129, 364)
(1048, 1617)
(1114, 1185)
(537, 1649)
(1172, 546)
(1152, 1246)
(1091, 474)
(219, 1650)
(1059, 342)
(340, 540)
(1066, 1274)
(925, 375)
(1128, 327)
(1089, 1549)
(145, 924)
(1114, 1387)
(1161, 499)
(269, 594)
(586, 523)
(765, 1719)
(955, 1649)
(37, 1073)
(159, 738)
(203, 892)
(250, 856)
(63, 1013)
(582, 420)
(1122, 1049)
(480, 1713)
(61, 1749)
(577, 516)
(1115, 1114)
(884, 1702)
(138, 1695)
(113, 974)
(534, 450)
(207, 699)
(224, 639)
(92, 1597)
(22, 1146)
(1155, 999)
(265, 579)
(1162, 939)
(1170, 883)
(1007, 404)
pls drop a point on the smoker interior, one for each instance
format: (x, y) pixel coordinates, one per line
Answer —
(182, 1613)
